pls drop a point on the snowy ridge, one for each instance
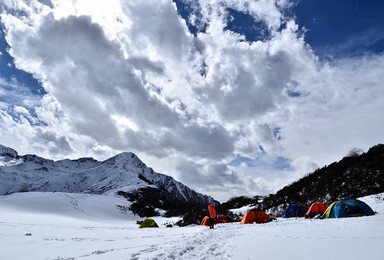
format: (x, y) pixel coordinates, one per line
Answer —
(6, 151)
(8, 156)
(123, 172)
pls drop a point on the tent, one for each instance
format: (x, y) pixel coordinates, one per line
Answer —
(257, 216)
(348, 208)
(293, 211)
(148, 222)
(205, 221)
(222, 219)
(316, 208)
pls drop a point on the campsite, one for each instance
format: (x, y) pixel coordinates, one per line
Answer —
(83, 226)
(191, 129)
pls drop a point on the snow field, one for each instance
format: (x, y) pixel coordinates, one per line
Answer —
(81, 226)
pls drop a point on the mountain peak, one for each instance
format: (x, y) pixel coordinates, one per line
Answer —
(126, 158)
(127, 155)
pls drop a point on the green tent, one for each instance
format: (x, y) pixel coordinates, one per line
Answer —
(348, 208)
(148, 222)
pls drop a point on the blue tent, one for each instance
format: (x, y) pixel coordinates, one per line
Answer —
(348, 208)
(293, 211)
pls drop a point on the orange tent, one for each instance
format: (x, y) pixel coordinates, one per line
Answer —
(257, 216)
(222, 219)
(316, 208)
(205, 221)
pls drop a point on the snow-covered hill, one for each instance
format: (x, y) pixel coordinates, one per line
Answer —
(70, 207)
(45, 225)
(124, 173)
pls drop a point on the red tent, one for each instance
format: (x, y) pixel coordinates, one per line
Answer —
(316, 208)
(222, 219)
(257, 216)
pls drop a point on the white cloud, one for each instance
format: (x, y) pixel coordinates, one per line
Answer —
(21, 110)
(12, 93)
(341, 111)
(129, 76)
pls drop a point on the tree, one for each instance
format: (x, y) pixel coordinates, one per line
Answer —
(354, 152)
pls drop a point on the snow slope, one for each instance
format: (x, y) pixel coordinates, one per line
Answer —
(84, 226)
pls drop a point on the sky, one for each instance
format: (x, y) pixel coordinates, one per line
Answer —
(229, 97)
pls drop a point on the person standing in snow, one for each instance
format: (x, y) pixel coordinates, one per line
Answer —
(212, 215)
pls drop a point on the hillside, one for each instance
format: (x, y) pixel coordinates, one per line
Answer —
(122, 175)
(353, 176)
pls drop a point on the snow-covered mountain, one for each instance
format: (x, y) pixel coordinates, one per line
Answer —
(124, 174)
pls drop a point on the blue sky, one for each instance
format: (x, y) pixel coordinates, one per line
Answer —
(229, 97)
(342, 28)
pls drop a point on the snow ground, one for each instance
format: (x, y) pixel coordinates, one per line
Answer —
(83, 226)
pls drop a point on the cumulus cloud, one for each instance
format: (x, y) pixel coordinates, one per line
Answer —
(341, 110)
(225, 115)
